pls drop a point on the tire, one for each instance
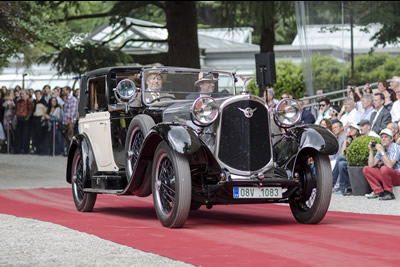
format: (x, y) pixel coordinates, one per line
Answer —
(137, 131)
(84, 202)
(171, 186)
(312, 208)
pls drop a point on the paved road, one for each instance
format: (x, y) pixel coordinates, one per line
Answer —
(27, 242)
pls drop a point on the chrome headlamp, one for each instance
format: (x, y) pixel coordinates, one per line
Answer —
(204, 111)
(287, 113)
(125, 90)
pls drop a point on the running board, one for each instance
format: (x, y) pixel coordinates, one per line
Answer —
(107, 183)
(102, 191)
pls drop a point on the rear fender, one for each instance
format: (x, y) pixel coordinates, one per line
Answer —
(81, 142)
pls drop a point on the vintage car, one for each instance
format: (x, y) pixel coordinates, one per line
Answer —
(190, 138)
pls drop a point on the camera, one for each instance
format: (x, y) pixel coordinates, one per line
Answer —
(373, 143)
(352, 88)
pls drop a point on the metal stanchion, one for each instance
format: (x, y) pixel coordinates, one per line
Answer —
(54, 138)
(8, 137)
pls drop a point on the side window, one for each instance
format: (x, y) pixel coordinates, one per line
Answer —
(97, 89)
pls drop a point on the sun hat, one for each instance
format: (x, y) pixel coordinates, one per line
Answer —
(204, 76)
(354, 125)
(154, 70)
(386, 131)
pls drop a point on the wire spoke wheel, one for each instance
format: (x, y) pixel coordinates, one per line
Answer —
(171, 186)
(83, 201)
(138, 129)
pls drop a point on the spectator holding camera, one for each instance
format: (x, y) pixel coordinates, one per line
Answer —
(383, 170)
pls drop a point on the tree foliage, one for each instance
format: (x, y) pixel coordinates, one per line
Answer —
(21, 27)
(81, 58)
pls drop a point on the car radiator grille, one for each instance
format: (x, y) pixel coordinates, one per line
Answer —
(244, 142)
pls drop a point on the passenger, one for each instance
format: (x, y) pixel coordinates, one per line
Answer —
(206, 84)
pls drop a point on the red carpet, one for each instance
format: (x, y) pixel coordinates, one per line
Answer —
(235, 235)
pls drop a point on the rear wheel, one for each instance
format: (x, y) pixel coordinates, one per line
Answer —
(171, 186)
(83, 201)
(138, 129)
(316, 180)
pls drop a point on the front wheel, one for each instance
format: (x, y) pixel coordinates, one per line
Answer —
(316, 181)
(171, 186)
(84, 202)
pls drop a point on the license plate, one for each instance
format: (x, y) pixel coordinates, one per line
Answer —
(257, 192)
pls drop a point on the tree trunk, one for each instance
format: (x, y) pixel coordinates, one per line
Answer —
(267, 40)
(183, 43)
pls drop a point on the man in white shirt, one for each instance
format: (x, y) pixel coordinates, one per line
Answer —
(351, 114)
(395, 85)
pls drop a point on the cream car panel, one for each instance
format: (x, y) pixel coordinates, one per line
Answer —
(98, 128)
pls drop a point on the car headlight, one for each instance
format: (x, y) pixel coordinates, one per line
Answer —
(204, 111)
(287, 113)
(125, 89)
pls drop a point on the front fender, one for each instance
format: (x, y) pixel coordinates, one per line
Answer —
(180, 138)
(81, 142)
(303, 137)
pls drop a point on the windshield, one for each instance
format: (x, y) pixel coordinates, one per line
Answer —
(161, 85)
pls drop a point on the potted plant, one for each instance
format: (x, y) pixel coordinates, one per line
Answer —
(357, 158)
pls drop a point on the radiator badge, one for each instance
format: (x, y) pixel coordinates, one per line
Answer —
(248, 112)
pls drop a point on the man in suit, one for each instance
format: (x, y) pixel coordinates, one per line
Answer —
(154, 80)
(207, 83)
(381, 116)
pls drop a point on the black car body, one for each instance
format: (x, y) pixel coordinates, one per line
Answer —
(190, 149)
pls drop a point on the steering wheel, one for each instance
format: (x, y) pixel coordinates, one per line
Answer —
(162, 97)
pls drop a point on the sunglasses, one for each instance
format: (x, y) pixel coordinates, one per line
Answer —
(322, 105)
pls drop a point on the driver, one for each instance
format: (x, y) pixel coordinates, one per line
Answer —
(154, 81)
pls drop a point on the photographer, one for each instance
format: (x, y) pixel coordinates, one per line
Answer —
(383, 170)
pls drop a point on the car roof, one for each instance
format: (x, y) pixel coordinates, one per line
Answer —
(109, 69)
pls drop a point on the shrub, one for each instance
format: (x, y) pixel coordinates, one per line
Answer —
(357, 153)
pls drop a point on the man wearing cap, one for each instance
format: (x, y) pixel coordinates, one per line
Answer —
(365, 128)
(383, 170)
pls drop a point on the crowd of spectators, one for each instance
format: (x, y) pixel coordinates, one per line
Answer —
(38, 122)
(363, 113)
